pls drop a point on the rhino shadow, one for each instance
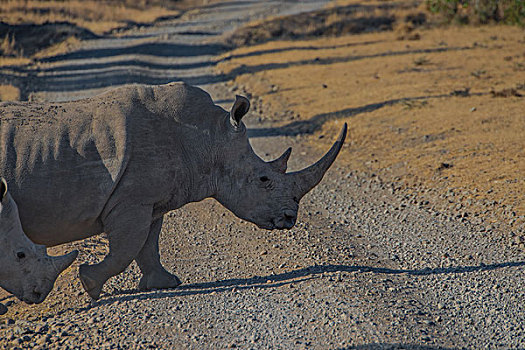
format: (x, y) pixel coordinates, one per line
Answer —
(286, 278)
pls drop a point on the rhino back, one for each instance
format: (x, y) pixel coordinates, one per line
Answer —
(176, 132)
(62, 162)
(70, 164)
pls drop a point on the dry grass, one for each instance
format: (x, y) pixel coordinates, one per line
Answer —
(9, 93)
(7, 46)
(419, 119)
(57, 49)
(13, 61)
(97, 16)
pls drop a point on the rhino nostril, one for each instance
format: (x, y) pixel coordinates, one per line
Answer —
(36, 295)
(289, 215)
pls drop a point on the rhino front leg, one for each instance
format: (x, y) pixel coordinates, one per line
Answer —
(154, 274)
(127, 231)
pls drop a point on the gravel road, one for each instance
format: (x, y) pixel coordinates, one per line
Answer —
(366, 267)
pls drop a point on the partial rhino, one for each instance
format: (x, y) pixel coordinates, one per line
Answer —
(26, 269)
(116, 163)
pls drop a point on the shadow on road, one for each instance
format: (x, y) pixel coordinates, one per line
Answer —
(152, 49)
(315, 123)
(296, 276)
(117, 66)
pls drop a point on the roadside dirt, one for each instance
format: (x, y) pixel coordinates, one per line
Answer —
(440, 117)
(338, 18)
(370, 264)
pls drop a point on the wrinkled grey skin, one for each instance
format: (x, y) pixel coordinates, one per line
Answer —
(26, 269)
(116, 163)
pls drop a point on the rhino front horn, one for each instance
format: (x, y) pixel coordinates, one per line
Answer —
(62, 262)
(308, 178)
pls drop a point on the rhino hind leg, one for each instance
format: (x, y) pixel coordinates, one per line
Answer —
(127, 234)
(154, 274)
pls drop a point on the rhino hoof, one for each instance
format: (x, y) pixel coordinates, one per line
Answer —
(159, 280)
(90, 284)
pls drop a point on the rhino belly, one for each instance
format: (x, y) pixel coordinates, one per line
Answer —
(58, 209)
(61, 199)
(62, 173)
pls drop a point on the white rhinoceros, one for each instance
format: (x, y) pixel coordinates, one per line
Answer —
(116, 163)
(26, 269)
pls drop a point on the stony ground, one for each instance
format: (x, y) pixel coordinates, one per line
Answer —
(367, 266)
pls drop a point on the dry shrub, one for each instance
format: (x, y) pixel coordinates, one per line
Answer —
(7, 46)
(479, 11)
(59, 48)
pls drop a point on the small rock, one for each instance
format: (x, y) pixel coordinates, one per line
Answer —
(42, 340)
(444, 166)
(461, 92)
(42, 328)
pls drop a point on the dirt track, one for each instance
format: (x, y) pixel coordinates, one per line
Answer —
(365, 268)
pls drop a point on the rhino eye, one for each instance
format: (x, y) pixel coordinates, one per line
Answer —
(264, 178)
(20, 255)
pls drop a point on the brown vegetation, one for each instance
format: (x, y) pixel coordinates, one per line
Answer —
(9, 93)
(339, 18)
(96, 16)
(441, 117)
(37, 28)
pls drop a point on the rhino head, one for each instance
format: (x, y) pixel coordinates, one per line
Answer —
(26, 269)
(263, 192)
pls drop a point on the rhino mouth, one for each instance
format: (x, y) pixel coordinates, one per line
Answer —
(283, 222)
(266, 226)
(34, 297)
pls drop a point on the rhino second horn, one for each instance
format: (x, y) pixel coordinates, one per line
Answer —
(62, 262)
(281, 163)
(308, 178)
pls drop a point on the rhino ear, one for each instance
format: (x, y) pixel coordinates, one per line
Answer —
(239, 109)
(3, 188)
